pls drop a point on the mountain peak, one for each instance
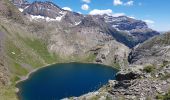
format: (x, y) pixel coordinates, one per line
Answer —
(46, 9)
(123, 28)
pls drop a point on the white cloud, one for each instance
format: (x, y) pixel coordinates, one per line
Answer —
(149, 21)
(107, 11)
(101, 12)
(132, 17)
(129, 3)
(86, 1)
(79, 12)
(67, 8)
(85, 7)
(117, 2)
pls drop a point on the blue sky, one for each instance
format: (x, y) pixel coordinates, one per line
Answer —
(155, 12)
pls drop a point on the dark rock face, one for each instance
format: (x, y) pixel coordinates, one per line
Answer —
(132, 31)
(125, 23)
(72, 19)
(127, 76)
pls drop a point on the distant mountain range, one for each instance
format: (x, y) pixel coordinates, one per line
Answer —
(124, 29)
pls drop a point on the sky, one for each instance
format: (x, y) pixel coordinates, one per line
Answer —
(156, 13)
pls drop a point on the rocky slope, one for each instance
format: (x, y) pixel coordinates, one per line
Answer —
(4, 79)
(132, 31)
(150, 61)
(154, 51)
(146, 78)
(133, 84)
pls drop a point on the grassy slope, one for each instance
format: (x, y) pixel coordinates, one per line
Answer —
(25, 52)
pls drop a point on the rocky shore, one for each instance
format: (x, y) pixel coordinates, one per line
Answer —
(131, 84)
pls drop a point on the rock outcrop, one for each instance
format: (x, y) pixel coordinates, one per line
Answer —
(155, 51)
(130, 85)
(139, 89)
(4, 73)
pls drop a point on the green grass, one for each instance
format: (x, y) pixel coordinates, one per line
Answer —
(149, 68)
(90, 58)
(163, 97)
(8, 93)
(116, 65)
(41, 49)
(19, 70)
(87, 58)
(20, 55)
(165, 77)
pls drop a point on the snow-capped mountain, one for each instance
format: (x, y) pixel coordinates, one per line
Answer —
(122, 28)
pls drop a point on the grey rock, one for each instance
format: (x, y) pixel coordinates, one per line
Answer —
(154, 51)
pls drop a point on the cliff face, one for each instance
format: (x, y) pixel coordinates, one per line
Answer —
(133, 31)
(154, 51)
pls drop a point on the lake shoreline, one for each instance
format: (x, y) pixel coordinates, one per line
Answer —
(34, 70)
(17, 90)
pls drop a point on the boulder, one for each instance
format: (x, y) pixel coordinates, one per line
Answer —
(127, 76)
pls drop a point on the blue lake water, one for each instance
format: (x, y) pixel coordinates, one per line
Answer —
(64, 80)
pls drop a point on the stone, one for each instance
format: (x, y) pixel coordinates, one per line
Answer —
(127, 76)
(168, 80)
(164, 82)
(112, 83)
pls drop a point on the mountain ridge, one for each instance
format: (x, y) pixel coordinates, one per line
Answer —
(133, 31)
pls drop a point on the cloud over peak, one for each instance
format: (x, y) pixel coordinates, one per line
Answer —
(107, 11)
(101, 12)
(67, 8)
(149, 21)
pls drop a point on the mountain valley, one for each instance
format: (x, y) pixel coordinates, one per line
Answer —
(33, 35)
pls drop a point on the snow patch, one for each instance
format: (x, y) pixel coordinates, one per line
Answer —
(20, 9)
(77, 23)
(114, 26)
(48, 19)
(37, 17)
